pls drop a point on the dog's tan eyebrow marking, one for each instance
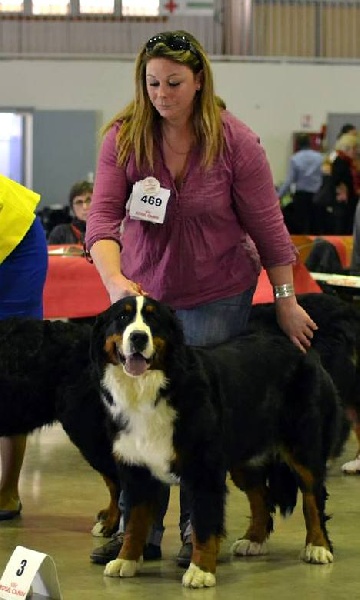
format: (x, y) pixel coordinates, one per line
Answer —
(149, 308)
(128, 307)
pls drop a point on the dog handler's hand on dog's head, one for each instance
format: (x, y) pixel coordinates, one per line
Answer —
(106, 257)
(120, 287)
(295, 322)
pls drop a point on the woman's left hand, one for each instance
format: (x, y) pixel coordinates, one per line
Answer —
(295, 322)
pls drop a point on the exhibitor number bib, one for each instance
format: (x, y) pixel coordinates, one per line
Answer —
(148, 201)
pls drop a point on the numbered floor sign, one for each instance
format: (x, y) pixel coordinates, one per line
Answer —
(29, 574)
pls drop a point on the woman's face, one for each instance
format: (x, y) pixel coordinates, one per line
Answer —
(81, 206)
(350, 152)
(171, 88)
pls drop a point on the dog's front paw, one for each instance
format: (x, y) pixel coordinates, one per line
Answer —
(244, 547)
(317, 555)
(121, 568)
(196, 578)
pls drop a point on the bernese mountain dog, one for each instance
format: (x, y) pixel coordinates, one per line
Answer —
(337, 342)
(46, 376)
(255, 407)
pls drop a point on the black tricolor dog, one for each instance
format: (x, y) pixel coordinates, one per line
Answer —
(46, 376)
(337, 342)
(255, 407)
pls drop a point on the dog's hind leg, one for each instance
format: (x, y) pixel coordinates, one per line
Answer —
(318, 548)
(253, 542)
(83, 417)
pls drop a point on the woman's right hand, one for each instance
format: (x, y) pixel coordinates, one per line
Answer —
(119, 287)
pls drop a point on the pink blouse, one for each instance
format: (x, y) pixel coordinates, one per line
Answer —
(218, 226)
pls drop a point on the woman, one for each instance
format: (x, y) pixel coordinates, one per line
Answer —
(79, 201)
(344, 183)
(23, 267)
(184, 206)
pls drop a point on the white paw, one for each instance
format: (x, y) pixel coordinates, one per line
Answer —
(97, 530)
(352, 467)
(245, 547)
(121, 568)
(316, 555)
(196, 578)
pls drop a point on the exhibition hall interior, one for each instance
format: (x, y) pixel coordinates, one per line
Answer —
(289, 71)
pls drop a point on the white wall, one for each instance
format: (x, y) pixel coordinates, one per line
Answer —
(270, 97)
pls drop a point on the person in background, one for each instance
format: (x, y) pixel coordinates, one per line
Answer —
(202, 215)
(345, 184)
(79, 201)
(355, 256)
(352, 467)
(305, 175)
(329, 159)
(23, 268)
(347, 128)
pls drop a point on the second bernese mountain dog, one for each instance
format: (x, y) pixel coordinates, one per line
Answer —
(256, 408)
(337, 341)
(46, 377)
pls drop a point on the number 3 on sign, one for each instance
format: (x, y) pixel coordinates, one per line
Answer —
(29, 571)
(20, 571)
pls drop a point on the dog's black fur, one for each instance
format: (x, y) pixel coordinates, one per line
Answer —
(255, 407)
(337, 339)
(46, 376)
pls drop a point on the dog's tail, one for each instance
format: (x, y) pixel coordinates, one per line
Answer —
(283, 488)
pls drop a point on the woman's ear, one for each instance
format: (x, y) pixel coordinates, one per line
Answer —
(199, 80)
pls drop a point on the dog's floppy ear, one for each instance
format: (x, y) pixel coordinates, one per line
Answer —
(175, 325)
(99, 354)
(103, 344)
(97, 343)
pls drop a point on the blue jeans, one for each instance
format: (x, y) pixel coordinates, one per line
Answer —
(217, 321)
(204, 325)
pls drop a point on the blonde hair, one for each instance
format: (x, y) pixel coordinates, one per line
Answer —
(346, 142)
(139, 118)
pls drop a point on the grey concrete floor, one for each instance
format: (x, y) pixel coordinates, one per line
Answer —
(61, 494)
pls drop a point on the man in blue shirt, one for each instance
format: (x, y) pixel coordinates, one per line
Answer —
(305, 175)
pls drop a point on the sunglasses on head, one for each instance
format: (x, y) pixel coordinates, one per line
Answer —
(174, 41)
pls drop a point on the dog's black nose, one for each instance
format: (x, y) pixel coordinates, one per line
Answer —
(138, 340)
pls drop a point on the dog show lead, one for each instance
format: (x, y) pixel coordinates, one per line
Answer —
(184, 207)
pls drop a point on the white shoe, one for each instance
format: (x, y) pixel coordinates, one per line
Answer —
(352, 467)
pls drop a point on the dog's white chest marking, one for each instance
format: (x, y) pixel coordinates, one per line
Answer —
(148, 437)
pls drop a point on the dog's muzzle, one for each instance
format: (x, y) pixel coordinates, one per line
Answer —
(135, 360)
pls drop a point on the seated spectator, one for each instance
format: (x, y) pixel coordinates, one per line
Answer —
(79, 201)
(305, 174)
